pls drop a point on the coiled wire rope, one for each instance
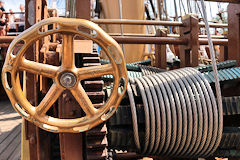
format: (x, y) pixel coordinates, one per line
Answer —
(182, 118)
(181, 115)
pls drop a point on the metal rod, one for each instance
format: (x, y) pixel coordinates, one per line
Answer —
(149, 40)
(223, 42)
(164, 40)
(145, 39)
(150, 22)
(136, 22)
(215, 25)
(168, 35)
(120, 14)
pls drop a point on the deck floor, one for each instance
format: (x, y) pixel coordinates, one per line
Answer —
(10, 132)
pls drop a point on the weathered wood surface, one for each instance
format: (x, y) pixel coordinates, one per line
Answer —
(10, 132)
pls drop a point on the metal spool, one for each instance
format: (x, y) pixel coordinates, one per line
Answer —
(181, 117)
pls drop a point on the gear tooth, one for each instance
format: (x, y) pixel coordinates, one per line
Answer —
(96, 139)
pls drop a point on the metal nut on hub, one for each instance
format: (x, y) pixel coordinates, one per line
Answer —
(68, 80)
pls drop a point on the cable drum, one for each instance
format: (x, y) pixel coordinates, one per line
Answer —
(152, 114)
(149, 70)
(179, 123)
(182, 118)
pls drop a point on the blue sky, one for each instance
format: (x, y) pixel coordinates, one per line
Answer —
(14, 4)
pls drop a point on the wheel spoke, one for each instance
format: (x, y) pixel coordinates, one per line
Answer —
(94, 71)
(45, 70)
(49, 99)
(68, 59)
(84, 100)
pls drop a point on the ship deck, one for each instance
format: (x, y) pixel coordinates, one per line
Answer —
(10, 132)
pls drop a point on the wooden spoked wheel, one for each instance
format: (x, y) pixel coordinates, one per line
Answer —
(65, 77)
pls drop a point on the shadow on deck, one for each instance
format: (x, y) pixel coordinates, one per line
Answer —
(10, 132)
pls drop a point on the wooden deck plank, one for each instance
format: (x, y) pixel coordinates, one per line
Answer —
(9, 118)
(10, 132)
(5, 135)
(8, 151)
(7, 141)
(16, 154)
(4, 108)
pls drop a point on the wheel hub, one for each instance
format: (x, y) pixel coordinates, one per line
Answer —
(68, 80)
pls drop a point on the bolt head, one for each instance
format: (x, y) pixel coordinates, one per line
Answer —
(68, 80)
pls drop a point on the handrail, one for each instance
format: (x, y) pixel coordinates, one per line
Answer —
(144, 40)
(136, 22)
(168, 35)
(152, 22)
(214, 25)
(7, 39)
(164, 40)
(150, 40)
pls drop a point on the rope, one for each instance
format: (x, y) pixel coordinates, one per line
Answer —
(152, 114)
(134, 117)
(217, 85)
(181, 114)
(183, 7)
(200, 116)
(147, 118)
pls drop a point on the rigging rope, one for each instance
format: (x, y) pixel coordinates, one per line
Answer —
(183, 7)
(217, 85)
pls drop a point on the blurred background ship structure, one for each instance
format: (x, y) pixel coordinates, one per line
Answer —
(169, 109)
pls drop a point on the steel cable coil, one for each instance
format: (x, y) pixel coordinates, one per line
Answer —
(181, 115)
(162, 111)
(157, 115)
(199, 115)
(187, 114)
(134, 117)
(207, 116)
(212, 111)
(147, 118)
(148, 70)
(170, 137)
(152, 114)
(219, 116)
(180, 119)
(192, 114)
(165, 105)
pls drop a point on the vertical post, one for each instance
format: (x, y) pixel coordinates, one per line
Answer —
(83, 9)
(33, 12)
(160, 51)
(223, 53)
(71, 144)
(234, 32)
(189, 53)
